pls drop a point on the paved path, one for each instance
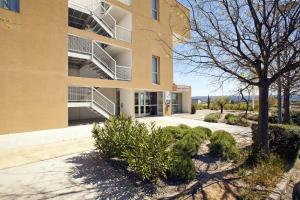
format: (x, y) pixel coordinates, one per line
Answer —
(23, 148)
(28, 172)
(76, 176)
(242, 134)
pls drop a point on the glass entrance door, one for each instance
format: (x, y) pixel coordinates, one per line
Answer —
(146, 104)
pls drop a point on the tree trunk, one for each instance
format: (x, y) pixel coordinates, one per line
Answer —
(279, 105)
(263, 120)
(286, 104)
(222, 108)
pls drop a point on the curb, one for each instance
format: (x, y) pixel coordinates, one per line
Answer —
(281, 187)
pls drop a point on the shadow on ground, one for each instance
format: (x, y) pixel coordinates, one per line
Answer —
(110, 179)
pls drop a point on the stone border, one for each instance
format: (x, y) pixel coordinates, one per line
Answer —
(281, 187)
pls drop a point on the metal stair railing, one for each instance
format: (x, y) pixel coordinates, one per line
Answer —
(79, 45)
(123, 73)
(93, 96)
(79, 94)
(102, 56)
(101, 12)
(103, 102)
(85, 46)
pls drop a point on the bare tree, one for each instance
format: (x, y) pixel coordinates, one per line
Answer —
(237, 39)
(291, 85)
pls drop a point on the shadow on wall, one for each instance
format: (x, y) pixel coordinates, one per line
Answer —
(110, 179)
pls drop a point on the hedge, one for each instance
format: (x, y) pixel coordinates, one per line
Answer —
(283, 139)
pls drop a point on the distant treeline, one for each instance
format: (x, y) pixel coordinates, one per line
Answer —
(235, 98)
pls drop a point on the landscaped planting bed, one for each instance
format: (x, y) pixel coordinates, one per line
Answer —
(179, 161)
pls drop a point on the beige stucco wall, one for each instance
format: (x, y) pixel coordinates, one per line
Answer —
(33, 67)
(34, 63)
(149, 37)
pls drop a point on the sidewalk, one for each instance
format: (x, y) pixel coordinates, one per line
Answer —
(23, 148)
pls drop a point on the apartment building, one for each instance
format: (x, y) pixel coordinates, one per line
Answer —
(63, 62)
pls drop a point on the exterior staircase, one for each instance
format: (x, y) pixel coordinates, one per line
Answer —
(94, 17)
(92, 54)
(92, 99)
(96, 57)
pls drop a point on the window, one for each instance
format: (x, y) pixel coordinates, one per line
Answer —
(155, 70)
(155, 9)
(13, 5)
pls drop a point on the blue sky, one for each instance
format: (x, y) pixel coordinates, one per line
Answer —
(201, 86)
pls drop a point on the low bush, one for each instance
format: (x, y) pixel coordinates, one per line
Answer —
(295, 118)
(175, 132)
(184, 126)
(212, 117)
(283, 139)
(206, 131)
(229, 115)
(150, 157)
(236, 120)
(115, 136)
(223, 145)
(188, 146)
(200, 106)
(181, 169)
(253, 117)
(147, 152)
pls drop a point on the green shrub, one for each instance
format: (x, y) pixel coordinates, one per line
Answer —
(184, 126)
(295, 118)
(188, 146)
(283, 139)
(150, 158)
(175, 132)
(212, 117)
(236, 120)
(206, 131)
(253, 117)
(229, 115)
(200, 106)
(181, 169)
(115, 136)
(147, 152)
(223, 145)
(193, 109)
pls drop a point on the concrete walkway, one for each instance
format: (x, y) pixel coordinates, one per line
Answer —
(23, 148)
(59, 164)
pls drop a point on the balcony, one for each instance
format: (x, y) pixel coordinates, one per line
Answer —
(94, 59)
(101, 18)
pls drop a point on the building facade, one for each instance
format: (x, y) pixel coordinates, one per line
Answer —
(65, 61)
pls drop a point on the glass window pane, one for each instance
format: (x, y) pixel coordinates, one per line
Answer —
(154, 14)
(136, 98)
(154, 64)
(154, 78)
(14, 5)
(154, 4)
